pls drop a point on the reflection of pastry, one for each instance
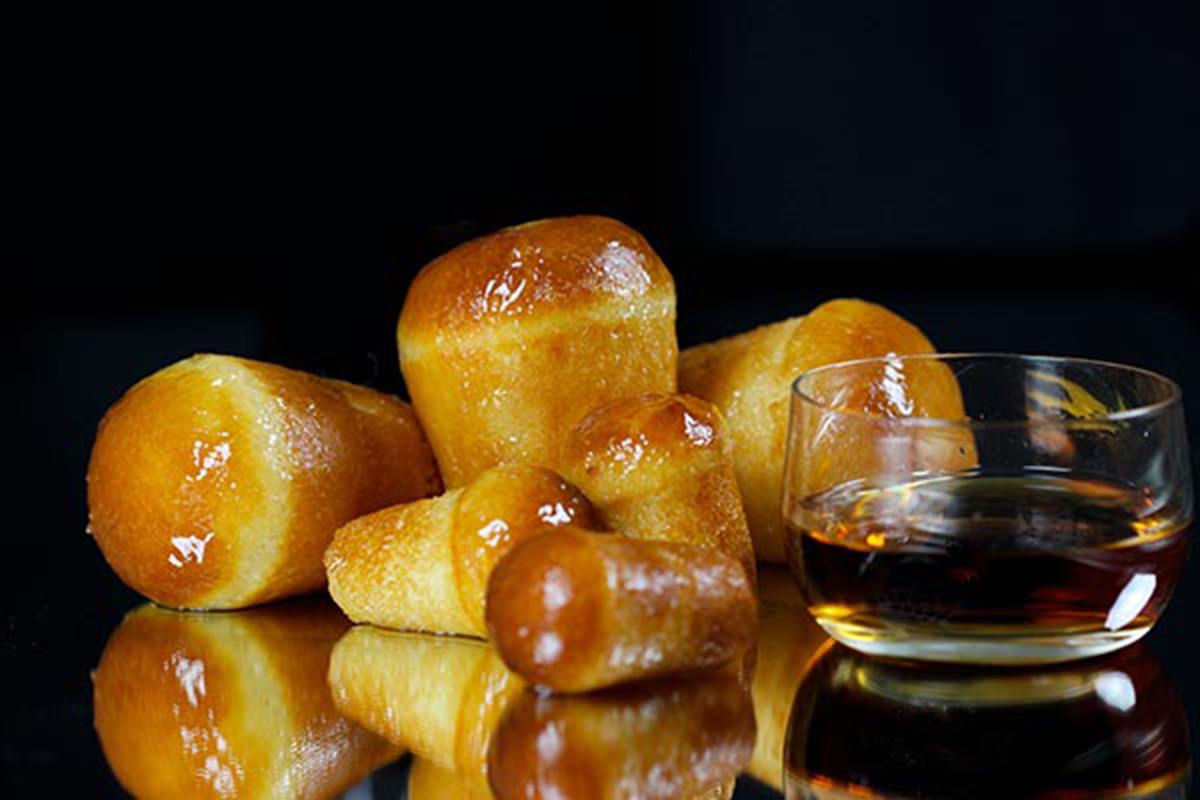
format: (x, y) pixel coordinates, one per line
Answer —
(677, 739)
(223, 705)
(217, 482)
(438, 696)
(424, 565)
(749, 378)
(576, 611)
(508, 340)
(788, 641)
(658, 467)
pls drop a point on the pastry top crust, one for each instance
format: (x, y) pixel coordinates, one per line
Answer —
(527, 271)
(633, 444)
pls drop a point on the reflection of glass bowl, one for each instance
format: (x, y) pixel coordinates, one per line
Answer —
(1108, 727)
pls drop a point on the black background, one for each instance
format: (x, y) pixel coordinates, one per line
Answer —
(1019, 178)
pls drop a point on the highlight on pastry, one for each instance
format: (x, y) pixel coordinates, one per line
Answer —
(663, 739)
(508, 340)
(424, 566)
(658, 466)
(438, 696)
(749, 378)
(196, 705)
(217, 482)
(575, 611)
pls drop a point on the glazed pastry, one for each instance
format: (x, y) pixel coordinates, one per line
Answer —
(218, 482)
(428, 781)
(229, 705)
(438, 696)
(749, 378)
(425, 565)
(508, 340)
(575, 611)
(666, 739)
(658, 467)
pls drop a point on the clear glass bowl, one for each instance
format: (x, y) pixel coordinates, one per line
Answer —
(986, 508)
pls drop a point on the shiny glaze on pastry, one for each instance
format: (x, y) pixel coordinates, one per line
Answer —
(218, 482)
(658, 466)
(425, 565)
(576, 611)
(508, 340)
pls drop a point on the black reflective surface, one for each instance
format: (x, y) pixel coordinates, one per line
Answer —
(291, 700)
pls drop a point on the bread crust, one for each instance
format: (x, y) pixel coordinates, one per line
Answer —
(218, 482)
(659, 466)
(424, 566)
(508, 340)
(749, 378)
(576, 611)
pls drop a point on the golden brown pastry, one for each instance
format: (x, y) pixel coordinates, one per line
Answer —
(424, 566)
(225, 705)
(666, 739)
(428, 781)
(438, 696)
(749, 378)
(658, 466)
(508, 340)
(576, 611)
(789, 640)
(218, 482)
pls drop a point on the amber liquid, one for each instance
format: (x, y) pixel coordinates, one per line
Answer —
(1003, 570)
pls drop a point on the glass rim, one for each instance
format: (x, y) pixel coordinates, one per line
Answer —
(1173, 398)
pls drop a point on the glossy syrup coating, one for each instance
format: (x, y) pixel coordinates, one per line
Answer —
(424, 565)
(684, 738)
(229, 705)
(428, 781)
(217, 482)
(749, 378)
(659, 467)
(508, 340)
(440, 697)
(575, 611)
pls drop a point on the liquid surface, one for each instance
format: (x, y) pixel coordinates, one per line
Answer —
(1015, 570)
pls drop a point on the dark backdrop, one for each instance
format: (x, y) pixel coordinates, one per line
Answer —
(1014, 177)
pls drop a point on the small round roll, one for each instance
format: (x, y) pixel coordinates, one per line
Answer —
(749, 378)
(508, 340)
(576, 611)
(229, 705)
(663, 739)
(217, 482)
(658, 466)
(424, 566)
